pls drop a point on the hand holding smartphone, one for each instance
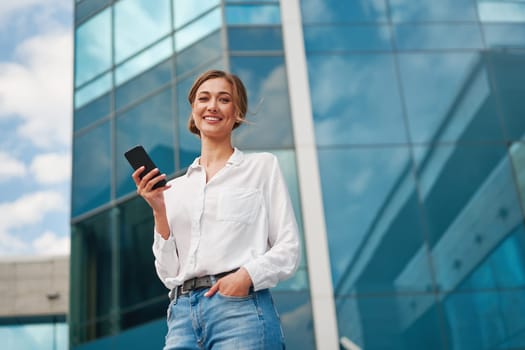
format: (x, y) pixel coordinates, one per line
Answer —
(137, 157)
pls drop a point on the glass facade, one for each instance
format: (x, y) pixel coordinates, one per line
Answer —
(39, 332)
(419, 124)
(419, 131)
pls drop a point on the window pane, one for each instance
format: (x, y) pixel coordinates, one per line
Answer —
(456, 184)
(202, 52)
(501, 10)
(91, 261)
(485, 320)
(141, 284)
(393, 322)
(431, 10)
(347, 38)
(507, 76)
(197, 30)
(438, 36)
(295, 310)
(85, 9)
(139, 23)
(143, 61)
(91, 169)
(371, 205)
(351, 96)
(337, 11)
(257, 39)
(449, 98)
(93, 90)
(268, 119)
(93, 47)
(144, 84)
(499, 36)
(135, 126)
(185, 11)
(253, 14)
(96, 110)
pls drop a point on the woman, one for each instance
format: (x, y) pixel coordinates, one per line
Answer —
(225, 232)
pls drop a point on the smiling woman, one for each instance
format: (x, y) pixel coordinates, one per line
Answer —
(225, 232)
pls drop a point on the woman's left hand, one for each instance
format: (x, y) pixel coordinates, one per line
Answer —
(235, 284)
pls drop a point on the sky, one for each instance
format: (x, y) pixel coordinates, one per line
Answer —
(36, 74)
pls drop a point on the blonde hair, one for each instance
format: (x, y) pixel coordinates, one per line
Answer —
(239, 96)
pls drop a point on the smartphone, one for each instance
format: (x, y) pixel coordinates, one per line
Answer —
(137, 157)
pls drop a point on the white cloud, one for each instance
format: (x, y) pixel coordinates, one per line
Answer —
(38, 89)
(51, 244)
(10, 167)
(30, 209)
(51, 168)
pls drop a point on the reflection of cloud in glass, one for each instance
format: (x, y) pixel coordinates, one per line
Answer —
(270, 125)
(93, 90)
(93, 47)
(186, 10)
(197, 30)
(355, 99)
(501, 11)
(253, 14)
(333, 11)
(139, 23)
(431, 10)
(143, 61)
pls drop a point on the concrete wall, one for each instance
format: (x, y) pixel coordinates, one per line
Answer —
(34, 286)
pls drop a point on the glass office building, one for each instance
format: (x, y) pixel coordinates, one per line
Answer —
(400, 128)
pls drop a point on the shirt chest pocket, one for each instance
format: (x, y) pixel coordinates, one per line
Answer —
(239, 205)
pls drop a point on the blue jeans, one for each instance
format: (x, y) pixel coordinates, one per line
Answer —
(223, 322)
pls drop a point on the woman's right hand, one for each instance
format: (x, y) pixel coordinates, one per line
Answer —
(154, 197)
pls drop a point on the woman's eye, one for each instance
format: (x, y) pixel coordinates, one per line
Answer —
(202, 99)
(224, 100)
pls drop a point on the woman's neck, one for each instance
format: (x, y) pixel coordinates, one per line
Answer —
(213, 152)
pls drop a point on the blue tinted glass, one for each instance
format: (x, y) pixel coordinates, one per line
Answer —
(501, 10)
(202, 52)
(438, 36)
(143, 61)
(91, 170)
(485, 320)
(497, 265)
(42, 336)
(449, 97)
(93, 47)
(143, 84)
(135, 126)
(93, 90)
(371, 206)
(431, 10)
(517, 155)
(198, 30)
(337, 11)
(287, 162)
(185, 11)
(259, 38)
(92, 112)
(253, 14)
(139, 23)
(269, 122)
(456, 184)
(355, 99)
(296, 317)
(144, 336)
(347, 38)
(85, 9)
(393, 323)
(507, 75)
(504, 35)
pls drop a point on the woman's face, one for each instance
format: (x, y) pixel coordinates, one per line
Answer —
(213, 109)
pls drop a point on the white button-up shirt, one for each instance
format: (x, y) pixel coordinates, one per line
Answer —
(242, 217)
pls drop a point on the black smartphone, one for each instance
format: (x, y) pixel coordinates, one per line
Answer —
(137, 157)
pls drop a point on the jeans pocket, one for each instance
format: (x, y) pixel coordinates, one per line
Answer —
(235, 298)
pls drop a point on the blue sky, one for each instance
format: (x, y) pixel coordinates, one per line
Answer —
(36, 72)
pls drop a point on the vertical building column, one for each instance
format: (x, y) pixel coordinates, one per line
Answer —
(321, 289)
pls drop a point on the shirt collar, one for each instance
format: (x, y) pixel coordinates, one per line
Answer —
(234, 160)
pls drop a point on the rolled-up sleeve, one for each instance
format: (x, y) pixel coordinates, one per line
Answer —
(166, 258)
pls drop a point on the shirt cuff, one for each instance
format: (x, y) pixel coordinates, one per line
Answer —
(161, 243)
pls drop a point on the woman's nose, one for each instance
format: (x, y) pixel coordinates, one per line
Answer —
(212, 104)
